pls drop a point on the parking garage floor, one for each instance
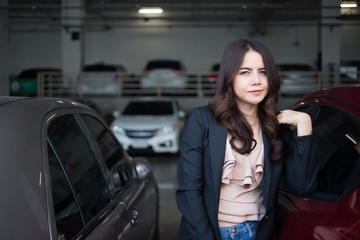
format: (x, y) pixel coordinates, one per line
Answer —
(165, 168)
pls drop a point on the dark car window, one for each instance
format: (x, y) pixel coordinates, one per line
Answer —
(295, 67)
(336, 133)
(111, 152)
(215, 68)
(33, 73)
(149, 108)
(163, 65)
(67, 213)
(80, 165)
(103, 68)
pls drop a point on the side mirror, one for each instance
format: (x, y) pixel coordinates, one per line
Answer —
(142, 167)
(181, 114)
(116, 114)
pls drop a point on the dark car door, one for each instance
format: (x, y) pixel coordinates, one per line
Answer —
(136, 195)
(87, 202)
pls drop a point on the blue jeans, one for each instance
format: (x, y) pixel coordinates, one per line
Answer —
(242, 231)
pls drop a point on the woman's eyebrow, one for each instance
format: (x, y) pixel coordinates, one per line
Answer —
(244, 68)
(247, 68)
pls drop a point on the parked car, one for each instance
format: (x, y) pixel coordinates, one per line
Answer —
(29, 81)
(167, 73)
(64, 175)
(214, 72)
(298, 79)
(101, 79)
(333, 212)
(150, 124)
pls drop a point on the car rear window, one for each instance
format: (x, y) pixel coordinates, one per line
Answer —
(149, 108)
(33, 73)
(163, 65)
(295, 67)
(100, 68)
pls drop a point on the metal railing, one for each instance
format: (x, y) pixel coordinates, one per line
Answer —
(198, 85)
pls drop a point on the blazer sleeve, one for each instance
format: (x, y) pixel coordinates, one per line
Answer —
(301, 165)
(189, 195)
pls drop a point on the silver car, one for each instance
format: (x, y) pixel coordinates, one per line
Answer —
(164, 73)
(298, 79)
(64, 175)
(150, 124)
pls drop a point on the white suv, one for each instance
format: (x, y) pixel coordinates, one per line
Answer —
(168, 73)
(149, 124)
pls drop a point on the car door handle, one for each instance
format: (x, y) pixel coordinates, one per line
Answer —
(134, 217)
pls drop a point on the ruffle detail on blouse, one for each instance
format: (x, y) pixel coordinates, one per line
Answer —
(243, 169)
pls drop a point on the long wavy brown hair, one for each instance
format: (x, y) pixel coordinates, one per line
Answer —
(224, 106)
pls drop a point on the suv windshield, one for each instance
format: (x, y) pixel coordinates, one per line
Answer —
(149, 108)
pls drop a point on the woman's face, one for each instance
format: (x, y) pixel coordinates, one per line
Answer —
(250, 83)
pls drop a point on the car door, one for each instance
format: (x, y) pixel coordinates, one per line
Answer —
(80, 192)
(333, 211)
(137, 196)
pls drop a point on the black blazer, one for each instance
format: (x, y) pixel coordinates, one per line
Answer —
(200, 170)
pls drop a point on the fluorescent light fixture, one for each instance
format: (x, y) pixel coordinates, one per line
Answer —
(150, 10)
(348, 5)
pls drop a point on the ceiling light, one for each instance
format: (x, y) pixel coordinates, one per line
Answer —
(150, 10)
(348, 5)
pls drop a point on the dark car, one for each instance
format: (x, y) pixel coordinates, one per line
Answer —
(63, 175)
(29, 81)
(214, 72)
(333, 212)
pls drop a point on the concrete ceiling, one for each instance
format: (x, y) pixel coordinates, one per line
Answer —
(107, 14)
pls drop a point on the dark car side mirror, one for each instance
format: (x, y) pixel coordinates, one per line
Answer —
(143, 167)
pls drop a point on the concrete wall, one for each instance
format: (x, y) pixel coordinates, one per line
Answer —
(199, 47)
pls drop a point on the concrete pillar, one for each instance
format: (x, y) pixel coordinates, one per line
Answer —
(330, 42)
(4, 49)
(72, 39)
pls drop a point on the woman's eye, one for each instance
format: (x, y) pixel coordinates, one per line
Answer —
(263, 72)
(243, 72)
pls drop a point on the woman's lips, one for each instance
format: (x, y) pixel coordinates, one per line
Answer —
(256, 92)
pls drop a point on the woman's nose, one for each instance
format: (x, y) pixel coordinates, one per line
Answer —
(256, 79)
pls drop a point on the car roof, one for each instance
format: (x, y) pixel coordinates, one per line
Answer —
(39, 102)
(32, 72)
(346, 97)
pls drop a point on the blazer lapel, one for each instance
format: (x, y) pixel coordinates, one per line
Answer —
(267, 167)
(217, 141)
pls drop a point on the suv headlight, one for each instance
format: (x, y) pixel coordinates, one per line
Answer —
(167, 129)
(118, 130)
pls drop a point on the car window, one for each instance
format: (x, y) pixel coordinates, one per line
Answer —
(163, 65)
(149, 108)
(295, 67)
(100, 68)
(336, 134)
(67, 213)
(111, 152)
(78, 162)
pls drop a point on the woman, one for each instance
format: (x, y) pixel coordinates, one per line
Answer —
(235, 150)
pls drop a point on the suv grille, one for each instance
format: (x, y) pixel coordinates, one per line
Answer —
(140, 134)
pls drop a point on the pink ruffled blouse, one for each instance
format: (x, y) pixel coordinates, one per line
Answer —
(241, 195)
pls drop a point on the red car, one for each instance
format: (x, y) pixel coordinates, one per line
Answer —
(333, 212)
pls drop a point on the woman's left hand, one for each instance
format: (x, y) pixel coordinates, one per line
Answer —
(299, 120)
